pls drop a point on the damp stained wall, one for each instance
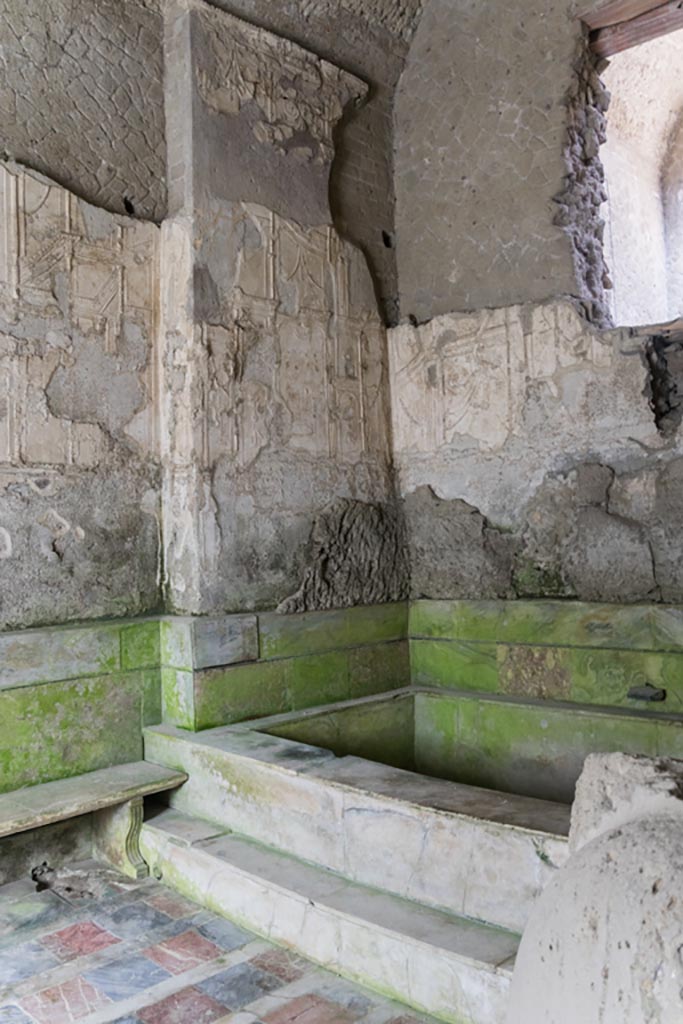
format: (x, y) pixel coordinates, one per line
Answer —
(79, 479)
(529, 460)
(274, 380)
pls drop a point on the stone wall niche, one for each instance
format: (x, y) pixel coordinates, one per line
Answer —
(273, 354)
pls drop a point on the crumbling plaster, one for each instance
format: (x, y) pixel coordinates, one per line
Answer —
(79, 509)
(529, 460)
(274, 356)
(498, 123)
(91, 115)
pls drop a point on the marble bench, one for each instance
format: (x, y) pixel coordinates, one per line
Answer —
(114, 796)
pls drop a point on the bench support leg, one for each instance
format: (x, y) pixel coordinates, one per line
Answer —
(116, 832)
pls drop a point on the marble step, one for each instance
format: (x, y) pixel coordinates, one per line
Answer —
(458, 848)
(442, 964)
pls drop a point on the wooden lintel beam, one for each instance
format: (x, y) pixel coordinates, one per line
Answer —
(660, 21)
(616, 11)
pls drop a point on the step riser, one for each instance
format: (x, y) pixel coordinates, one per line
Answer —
(479, 869)
(393, 964)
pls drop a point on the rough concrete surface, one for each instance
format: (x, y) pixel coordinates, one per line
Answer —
(615, 789)
(603, 942)
(481, 124)
(357, 557)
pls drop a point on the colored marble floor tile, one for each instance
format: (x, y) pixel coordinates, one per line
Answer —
(24, 961)
(189, 1006)
(239, 985)
(171, 904)
(310, 1009)
(79, 939)
(132, 920)
(65, 1003)
(114, 934)
(225, 934)
(286, 966)
(183, 952)
(38, 910)
(13, 1015)
(126, 977)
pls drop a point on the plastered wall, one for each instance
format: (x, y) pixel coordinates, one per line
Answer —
(638, 157)
(81, 97)
(79, 509)
(274, 356)
(498, 123)
(529, 459)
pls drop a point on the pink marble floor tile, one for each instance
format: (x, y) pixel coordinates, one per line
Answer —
(78, 940)
(64, 1003)
(183, 952)
(172, 904)
(310, 1009)
(189, 1006)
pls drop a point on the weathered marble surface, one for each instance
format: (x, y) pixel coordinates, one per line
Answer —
(436, 962)
(603, 943)
(475, 853)
(38, 805)
(615, 789)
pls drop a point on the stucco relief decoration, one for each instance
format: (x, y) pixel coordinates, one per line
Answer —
(294, 98)
(468, 378)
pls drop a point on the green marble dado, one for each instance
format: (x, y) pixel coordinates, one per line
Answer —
(235, 693)
(551, 650)
(530, 748)
(286, 636)
(562, 623)
(55, 730)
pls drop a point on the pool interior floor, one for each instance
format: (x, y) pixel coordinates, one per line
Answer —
(102, 948)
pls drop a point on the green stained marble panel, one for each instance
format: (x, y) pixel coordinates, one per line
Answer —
(286, 636)
(55, 730)
(457, 620)
(532, 749)
(378, 667)
(561, 623)
(151, 696)
(239, 692)
(177, 698)
(141, 645)
(317, 679)
(450, 663)
(591, 675)
(48, 655)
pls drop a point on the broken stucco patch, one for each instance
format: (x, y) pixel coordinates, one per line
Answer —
(356, 557)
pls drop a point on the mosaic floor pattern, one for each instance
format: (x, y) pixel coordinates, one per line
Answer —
(130, 952)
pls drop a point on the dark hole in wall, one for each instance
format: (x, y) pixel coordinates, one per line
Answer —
(665, 362)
